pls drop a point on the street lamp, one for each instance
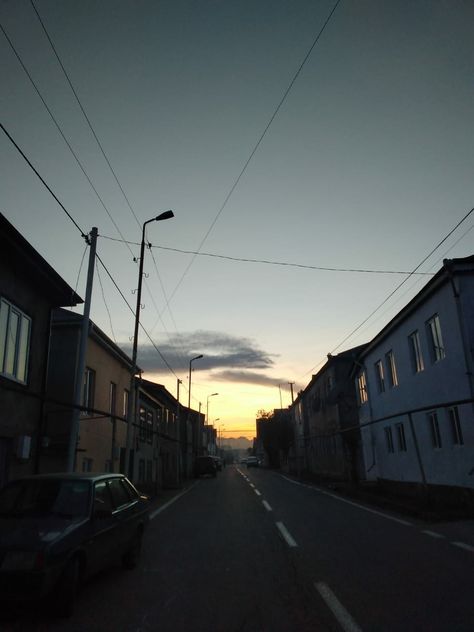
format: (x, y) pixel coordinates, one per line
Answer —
(207, 407)
(132, 400)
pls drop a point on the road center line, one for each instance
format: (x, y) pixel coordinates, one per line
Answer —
(466, 547)
(433, 534)
(344, 618)
(286, 534)
(266, 505)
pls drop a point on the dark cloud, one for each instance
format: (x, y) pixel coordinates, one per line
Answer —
(220, 351)
(246, 377)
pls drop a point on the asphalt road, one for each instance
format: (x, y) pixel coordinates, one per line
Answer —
(254, 551)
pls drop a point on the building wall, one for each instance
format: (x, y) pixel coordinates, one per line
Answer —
(20, 404)
(440, 382)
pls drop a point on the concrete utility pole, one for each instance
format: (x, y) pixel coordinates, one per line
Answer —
(81, 362)
(178, 434)
(292, 396)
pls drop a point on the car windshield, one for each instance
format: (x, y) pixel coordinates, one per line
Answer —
(43, 498)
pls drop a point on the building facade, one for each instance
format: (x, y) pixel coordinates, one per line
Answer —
(29, 290)
(415, 386)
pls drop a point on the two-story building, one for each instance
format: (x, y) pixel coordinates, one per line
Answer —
(415, 387)
(331, 449)
(29, 290)
(105, 393)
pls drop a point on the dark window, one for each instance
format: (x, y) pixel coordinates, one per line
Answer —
(435, 338)
(102, 498)
(434, 427)
(389, 439)
(415, 352)
(455, 423)
(120, 495)
(391, 369)
(88, 390)
(112, 398)
(402, 444)
(380, 377)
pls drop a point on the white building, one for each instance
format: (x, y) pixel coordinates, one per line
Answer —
(414, 376)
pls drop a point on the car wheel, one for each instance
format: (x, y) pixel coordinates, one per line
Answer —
(66, 592)
(132, 556)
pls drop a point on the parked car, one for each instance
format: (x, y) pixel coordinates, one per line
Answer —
(252, 461)
(205, 465)
(58, 529)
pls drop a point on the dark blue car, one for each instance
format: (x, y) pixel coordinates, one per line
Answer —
(58, 529)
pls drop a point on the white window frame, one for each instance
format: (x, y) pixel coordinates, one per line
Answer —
(389, 440)
(455, 425)
(391, 369)
(436, 441)
(416, 354)
(435, 336)
(380, 376)
(362, 388)
(14, 342)
(402, 442)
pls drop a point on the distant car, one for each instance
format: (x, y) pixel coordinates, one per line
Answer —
(205, 465)
(252, 461)
(58, 529)
(243, 461)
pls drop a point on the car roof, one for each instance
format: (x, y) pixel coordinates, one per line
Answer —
(72, 476)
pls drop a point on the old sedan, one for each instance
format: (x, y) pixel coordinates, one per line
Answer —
(58, 529)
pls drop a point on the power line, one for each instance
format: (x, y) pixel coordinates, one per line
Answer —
(274, 263)
(397, 288)
(58, 127)
(257, 145)
(43, 181)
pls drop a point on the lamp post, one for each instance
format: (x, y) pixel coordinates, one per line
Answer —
(198, 357)
(207, 407)
(132, 401)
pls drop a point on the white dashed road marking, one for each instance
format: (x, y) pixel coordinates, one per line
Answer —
(257, 492)
(433, 534)
(286, 534)
(266, 505)
(344, 618)
(466, 547)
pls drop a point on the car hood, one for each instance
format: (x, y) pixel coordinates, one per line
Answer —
(35, 533)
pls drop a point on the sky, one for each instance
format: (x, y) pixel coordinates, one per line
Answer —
(303, 132)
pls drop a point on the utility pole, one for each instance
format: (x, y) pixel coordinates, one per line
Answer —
(81, 362)
(178, 434)
(292, 396)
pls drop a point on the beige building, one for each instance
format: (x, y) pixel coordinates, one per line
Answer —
(103, 426)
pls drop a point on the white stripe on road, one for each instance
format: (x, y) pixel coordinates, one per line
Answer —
(466, 547)
(350, 502)
(252, 485)
(170, 502)
(344, 618)
(257, 492)
(266, 505)
(286, 534)
(433, 534)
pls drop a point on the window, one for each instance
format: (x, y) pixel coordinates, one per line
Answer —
(380, 376)
(15, 329)
(87, 465)
(88, 390)
(389, 439)
(415, 350)
(455, 423)
(120, 496)
(434, 427)
(362, 388)
(112, 398)
(149, 471)
(142, 424)
(102, 499)
(391, 369)
(141, 471)
(149, 426)
(126, 395)
(435, 338)
(402, 444)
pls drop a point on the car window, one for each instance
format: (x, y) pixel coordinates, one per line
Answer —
(102, 498)
(130, 489)
(120, 495)
(46, 497)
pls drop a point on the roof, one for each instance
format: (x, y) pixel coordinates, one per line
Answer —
(460, 266)
(16, 251)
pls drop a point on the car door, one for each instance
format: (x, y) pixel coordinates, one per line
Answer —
(102, 543)
(125, 513)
